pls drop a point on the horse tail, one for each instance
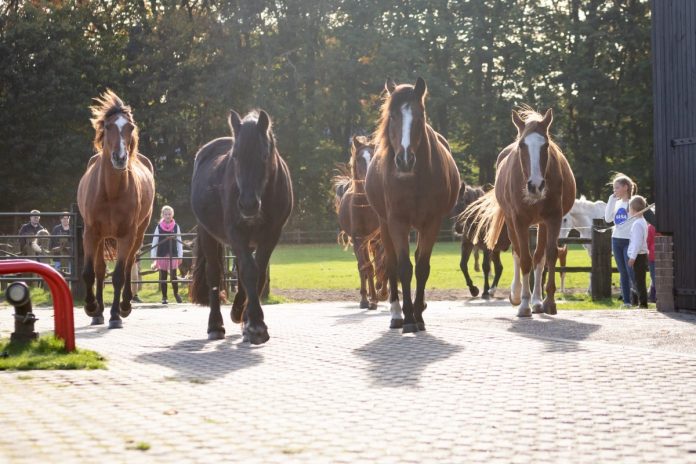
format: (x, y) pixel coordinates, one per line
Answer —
(375, 246)
(200, 287)
(344, 240)
(486, 216)
(340, 181)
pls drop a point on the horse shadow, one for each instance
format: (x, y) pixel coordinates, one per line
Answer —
(359, 317)
(399, 361)
(559, 335)
(194, 363)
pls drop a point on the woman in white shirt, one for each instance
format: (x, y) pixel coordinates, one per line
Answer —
(616, 211)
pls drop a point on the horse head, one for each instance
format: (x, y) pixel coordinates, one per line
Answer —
(116, 134)
(361, 153)
(253, 160)
(404, 116)
(533, 143)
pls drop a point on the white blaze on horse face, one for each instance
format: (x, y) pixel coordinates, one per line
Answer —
(534, 143)
(120, 122)
(366, 156)
(406, 120)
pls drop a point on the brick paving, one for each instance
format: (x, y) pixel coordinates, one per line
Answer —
(334, 384)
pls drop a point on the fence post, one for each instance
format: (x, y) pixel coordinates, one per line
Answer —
(601, 261)
(79, 291)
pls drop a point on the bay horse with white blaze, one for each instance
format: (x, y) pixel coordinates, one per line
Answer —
(241, 194)
(534, 184)
(412, 181)
(358, 221)
(115, 198)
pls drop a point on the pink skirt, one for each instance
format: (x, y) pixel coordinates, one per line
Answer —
(166, 264)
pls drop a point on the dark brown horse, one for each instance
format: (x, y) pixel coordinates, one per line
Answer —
(467, 228)
(358, 221)
(413, 181)
(241, 194)
(534, 185)
(115, 199)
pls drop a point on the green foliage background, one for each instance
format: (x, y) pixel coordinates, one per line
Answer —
(318, 67)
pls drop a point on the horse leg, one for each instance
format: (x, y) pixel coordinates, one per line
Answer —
(255, 330)
(486, 273)
(125, 306)
(538, 264)
(399, 233)
(357, 245)
(210, 255)
(426, 241)
(498, 267)
(239, 302)
(477, 267)
(516, 285)
(553, 227)
(118, 279)
(100, 269)
(562, 260)
(90, 245)
(525, 267)
(467, 247)
(370, 276)
(397, 321)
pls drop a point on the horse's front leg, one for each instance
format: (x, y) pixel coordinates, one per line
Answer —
(467, 247)
(255, 330)
(390, 263)
(357, 249)
(498, 268)
(426, 241)
(399, 232)
(486, 273)
(118, 279)
(89, 247)
(100, 269)
(538, 265)
(525, 267)
(553, 227)
(370, 276)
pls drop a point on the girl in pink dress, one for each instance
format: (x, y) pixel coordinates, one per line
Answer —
(167, 251)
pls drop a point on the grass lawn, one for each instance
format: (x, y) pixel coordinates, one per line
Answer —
(47, 352)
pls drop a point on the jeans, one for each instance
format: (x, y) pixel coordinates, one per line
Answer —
(619, 247)
(639, 268)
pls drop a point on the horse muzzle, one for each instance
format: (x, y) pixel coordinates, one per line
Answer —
(249, 209)
(119, 162)
(536, 190)
(405, 163)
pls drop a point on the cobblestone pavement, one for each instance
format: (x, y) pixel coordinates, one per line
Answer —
(334, 384)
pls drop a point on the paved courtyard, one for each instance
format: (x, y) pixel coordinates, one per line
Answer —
(334, 384)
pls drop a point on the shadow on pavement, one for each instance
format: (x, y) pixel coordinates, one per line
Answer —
(543, 328)
(398, 360)
(193, 361)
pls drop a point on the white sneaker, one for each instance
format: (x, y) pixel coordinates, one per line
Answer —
(626, 306)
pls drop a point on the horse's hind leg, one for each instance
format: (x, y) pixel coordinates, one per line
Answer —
(553, 227)
(538, 265)
(359, 255)
(486, 273)
(467, 247)
(211, 253)
(498, 266)
(477, 267)
(370, 277)
(426, 241)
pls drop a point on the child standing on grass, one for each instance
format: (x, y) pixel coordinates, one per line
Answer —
(167, 250)
(638, 249)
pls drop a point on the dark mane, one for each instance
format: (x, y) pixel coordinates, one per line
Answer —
(109, 104)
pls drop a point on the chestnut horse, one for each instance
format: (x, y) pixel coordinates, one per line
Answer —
(412, 181)
(241, 194)
(358, 221)
(115, 199)
(533, 185)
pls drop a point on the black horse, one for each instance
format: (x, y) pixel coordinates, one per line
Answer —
(241, 194)
(466, 227)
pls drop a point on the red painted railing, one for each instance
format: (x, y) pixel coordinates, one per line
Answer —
(64, 326)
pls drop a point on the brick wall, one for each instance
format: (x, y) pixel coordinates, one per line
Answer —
(664, 273)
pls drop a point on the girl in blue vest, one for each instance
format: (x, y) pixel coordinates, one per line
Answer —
(617, 212)
(167, 251)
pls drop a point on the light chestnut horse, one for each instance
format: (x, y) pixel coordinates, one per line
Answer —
(115, 198)
(534, 185)
(412, 182)
(358, 221)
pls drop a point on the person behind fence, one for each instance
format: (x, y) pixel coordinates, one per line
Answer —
(167, 250)
(31, 228)
(617, 212)
(60, 241)
(638, 251)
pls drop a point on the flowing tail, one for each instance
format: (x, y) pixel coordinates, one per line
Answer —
(487, 217)
(341, 182)
(199, 291)
(344, 240)
(375, 247)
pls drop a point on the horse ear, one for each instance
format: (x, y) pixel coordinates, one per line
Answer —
(548, 119)
(359, 141)
(235, 122)
(264, 122)
(518, 121)
(390, 85)
(420, 88)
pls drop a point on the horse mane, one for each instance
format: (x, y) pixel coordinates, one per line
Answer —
(109, 104)
(398, 97)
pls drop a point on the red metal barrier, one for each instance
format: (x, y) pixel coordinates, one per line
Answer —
(64, 326)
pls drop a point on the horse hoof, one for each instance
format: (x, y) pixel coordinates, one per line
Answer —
(486, 296)
(97, 320)
(396, 323)
(256, 336)
(91, 309)
(474, 291)
(491, 292)
(217, 334)
(236, 314)
(477, 268)
(410, 328)
(550, 308)
(116, 324)
(537, 308)
(373, 305)
(364, 304)
(420, 325)
(524, 312)
(125, 309)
